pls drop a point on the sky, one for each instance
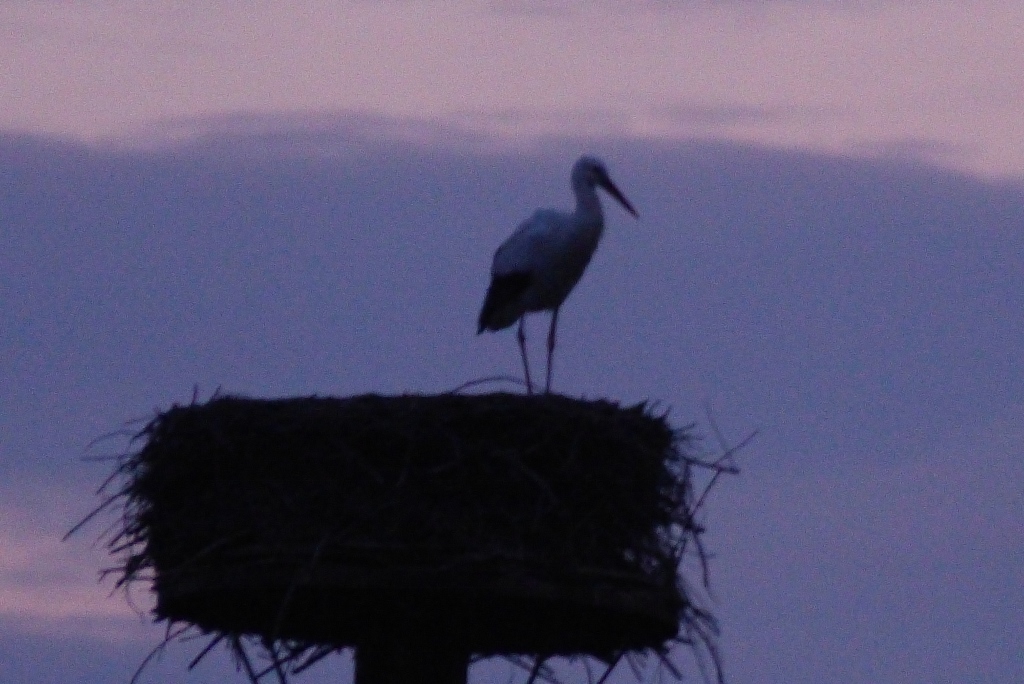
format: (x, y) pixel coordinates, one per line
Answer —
(935, 78)
(282, 201)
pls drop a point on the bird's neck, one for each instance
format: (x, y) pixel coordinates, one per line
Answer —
(588, 208)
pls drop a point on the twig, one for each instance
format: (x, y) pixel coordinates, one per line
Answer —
(482, 381)
(206, 649)
(239, 650)
(538, 662)
(298, 577)
(158, 649)
(608, 670)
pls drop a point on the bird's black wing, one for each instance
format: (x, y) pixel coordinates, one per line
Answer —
(504, 291)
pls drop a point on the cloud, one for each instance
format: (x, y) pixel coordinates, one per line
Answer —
(310, 135)
(724, 115)
(921, 150)
(862, 312)
(844, 571)
(49, 586)
(631, 7)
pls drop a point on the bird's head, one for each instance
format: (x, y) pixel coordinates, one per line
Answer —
(592, 172)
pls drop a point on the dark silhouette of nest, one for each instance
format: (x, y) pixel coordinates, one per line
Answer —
(490, 524)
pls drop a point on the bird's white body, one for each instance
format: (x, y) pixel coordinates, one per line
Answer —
(555, 248)
(537, 267)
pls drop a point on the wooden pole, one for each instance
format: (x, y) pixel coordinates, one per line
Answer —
(405, 663)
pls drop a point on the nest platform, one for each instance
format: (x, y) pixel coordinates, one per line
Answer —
(486, 524)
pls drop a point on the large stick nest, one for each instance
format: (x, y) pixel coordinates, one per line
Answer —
(495, 524)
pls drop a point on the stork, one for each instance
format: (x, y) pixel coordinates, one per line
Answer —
(537, 267)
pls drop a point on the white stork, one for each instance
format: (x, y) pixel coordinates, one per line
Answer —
(536, 268)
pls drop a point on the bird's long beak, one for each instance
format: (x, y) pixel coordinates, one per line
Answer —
(607, 184)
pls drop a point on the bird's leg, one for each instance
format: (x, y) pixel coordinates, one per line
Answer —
(551, 347)
(521, 336)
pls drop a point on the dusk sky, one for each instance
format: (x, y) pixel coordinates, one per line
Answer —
(288, 201)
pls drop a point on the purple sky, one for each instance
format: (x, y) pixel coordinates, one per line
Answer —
(830, 251)
(862, 315)
(932, 78)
